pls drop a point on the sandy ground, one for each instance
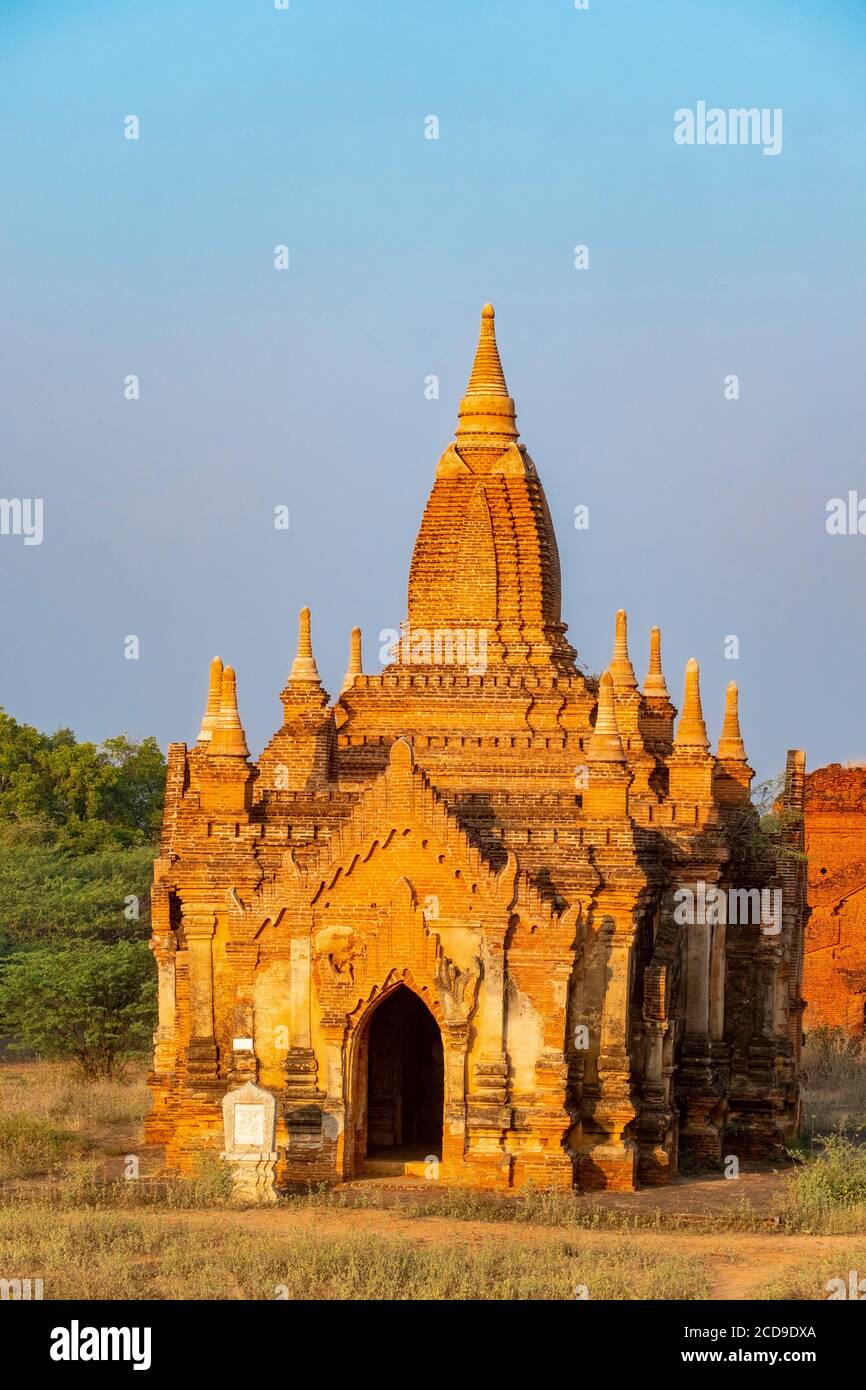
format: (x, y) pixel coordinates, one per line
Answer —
(741, 1266)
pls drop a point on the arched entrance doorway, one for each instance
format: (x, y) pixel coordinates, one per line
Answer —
(405, 1082)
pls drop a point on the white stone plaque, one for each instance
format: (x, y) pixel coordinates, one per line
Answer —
(250, 1125)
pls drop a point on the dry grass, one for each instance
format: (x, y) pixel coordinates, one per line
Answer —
(809, 1279)
(56, 1092)
(109, 1255)
(81, 1185)
(48, 1112)
(536, 1207)
(31, 1147)
(834, 1093)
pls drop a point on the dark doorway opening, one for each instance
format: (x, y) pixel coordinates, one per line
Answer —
(405, 1080)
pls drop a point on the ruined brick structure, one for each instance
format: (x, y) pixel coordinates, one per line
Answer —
(437, 916)
(834, 971)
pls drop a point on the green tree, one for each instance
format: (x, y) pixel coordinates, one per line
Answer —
(51, 779)
(55, 894)
(94, 1005)
(137, 789)
(78, 824)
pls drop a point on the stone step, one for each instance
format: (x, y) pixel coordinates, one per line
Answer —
(395, 1168)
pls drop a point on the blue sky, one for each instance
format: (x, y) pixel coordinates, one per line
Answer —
(306, 387)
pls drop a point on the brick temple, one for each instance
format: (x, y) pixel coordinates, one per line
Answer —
(438, 918)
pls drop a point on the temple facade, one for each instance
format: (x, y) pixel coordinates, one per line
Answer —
(484, 917)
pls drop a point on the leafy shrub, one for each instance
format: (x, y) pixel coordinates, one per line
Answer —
(835, 1177)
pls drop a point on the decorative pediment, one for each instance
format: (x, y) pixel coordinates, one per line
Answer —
(401, 801)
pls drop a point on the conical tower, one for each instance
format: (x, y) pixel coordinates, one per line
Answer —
(486, 566)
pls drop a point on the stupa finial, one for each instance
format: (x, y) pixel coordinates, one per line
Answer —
(655, 684)
(487, 416)
(304, 665)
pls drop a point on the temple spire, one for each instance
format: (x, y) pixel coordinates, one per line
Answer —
(487, 377)
(304, 665)
(212, 710)
(731, 747)
(605, 745)
(228, 738)
(487, 417)
(691, 730)
(655, 684)
(355, 667)
(620, 667)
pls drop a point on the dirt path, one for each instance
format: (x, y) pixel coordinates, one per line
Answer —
(741, 1266)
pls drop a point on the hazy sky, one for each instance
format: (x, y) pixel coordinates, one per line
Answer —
(305, 387)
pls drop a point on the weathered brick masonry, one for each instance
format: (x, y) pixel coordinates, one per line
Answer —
(834, 980)
(436, 917)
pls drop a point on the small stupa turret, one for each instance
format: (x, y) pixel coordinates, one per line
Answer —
(691, 730)
(620, 667)
(214, 696)
(229, 740)
(605, 744)
(731, 747)
(691, 768)
(609, 775)
(655, 686)
(299, 755)
(657, 712)
(304, 665)
(355, 667)
(733, 777)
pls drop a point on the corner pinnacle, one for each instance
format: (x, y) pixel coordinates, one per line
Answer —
(731, 747)
(210, 719)
(304, 665)
(691, 730)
